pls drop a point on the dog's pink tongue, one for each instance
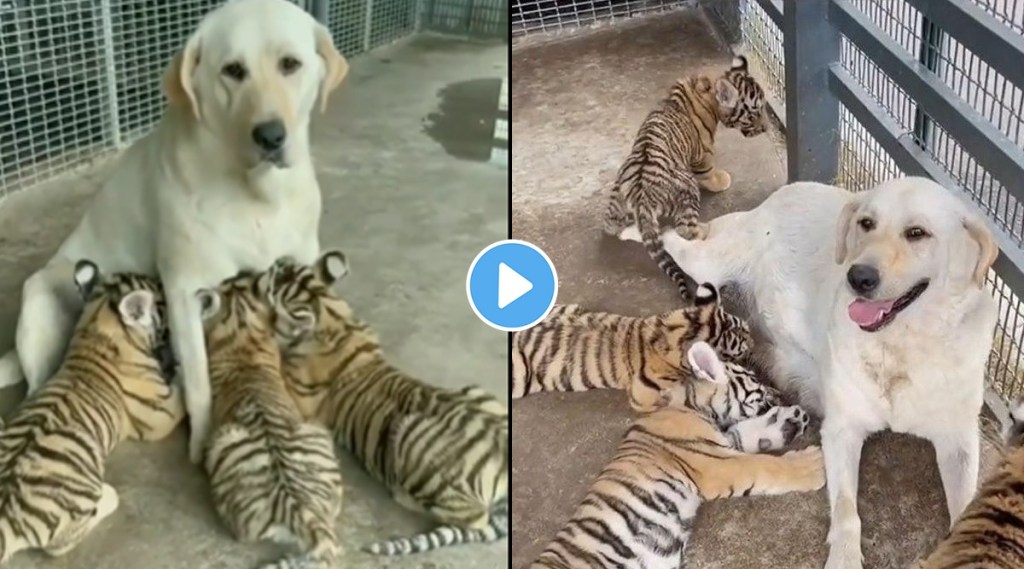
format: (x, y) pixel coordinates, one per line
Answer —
(867, 312)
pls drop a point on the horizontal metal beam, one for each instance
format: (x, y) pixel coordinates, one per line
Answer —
(992, 149)
(915, 161)
(992, 41)
(774, 10)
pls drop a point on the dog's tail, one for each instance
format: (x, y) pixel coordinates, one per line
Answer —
(647, 223)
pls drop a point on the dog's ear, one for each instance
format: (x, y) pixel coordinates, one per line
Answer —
(336, 66)
(843, 229)
(988, 250)
(178, 76)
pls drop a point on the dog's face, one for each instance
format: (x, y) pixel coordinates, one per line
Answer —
(907, 242)
(252, 73)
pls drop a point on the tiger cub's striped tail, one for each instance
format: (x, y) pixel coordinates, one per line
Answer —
(446, 536)
(650, 233)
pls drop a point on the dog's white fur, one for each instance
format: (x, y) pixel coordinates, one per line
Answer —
(196, 200)
(923, 373)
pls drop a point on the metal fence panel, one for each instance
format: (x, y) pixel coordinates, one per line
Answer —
(80, 79)
(530, 16)
(485, 18)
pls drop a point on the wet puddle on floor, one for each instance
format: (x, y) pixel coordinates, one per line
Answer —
(464, 120)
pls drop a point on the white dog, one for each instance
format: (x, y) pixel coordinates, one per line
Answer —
(877, 314)
(223, 183)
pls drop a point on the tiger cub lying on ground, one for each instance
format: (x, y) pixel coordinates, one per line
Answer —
(640, 511)
(110, 387)
(441, 451)
(576, 350)
(671, 161)
(990, 532)
(272, 475)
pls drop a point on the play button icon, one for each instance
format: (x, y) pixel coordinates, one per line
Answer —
(511, 285)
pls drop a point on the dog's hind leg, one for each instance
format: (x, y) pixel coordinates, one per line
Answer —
(49, 308)
(958, 456)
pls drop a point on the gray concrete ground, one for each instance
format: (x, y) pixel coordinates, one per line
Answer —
(411, 206)
(577, 103)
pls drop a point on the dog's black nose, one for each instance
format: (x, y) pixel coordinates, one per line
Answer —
(863, 278)
(269, 135)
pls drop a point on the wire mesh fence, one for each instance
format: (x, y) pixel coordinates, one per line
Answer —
(863, 162)
(530, 16)
(80, 79)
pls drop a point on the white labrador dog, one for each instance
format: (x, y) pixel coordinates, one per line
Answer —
(223, 183)
(877, 315)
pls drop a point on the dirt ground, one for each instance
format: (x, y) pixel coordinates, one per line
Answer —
(577, 102)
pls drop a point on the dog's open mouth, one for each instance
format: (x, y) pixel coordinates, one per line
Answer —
(873, 315)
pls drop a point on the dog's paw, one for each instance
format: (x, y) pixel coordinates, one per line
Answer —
(845, 554)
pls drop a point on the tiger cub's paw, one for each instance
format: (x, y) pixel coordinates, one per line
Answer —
(717, 180)
(806, 468)
(771, 431)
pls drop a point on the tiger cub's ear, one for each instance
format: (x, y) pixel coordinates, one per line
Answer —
(705, 363)
(1014, 435)
(209, 303)
(739, 63)
(137, 308)
(332, 266)
(87, 274)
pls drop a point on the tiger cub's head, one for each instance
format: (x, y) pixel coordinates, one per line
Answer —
(727, 333)
(308, 313)
(235, 312)
(128, 308)
(741, 101)
(1014, 434)
(723, 391)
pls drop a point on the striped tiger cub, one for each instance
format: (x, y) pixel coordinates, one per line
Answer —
(671, 161)
(576, 350)
(700, 443)
(441, 451)
(273, 476)
(110, 387)
(990, 532)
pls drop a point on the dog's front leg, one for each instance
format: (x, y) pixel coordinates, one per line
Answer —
(958, 455)
(841, 444)
(190, 348)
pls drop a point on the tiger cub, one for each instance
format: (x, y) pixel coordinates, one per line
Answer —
(990, 532)
(576, 350)
(671, 161)
(699, 443)
(110, 387)
(272, 475)
(441, 451)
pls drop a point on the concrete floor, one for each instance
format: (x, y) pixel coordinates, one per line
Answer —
(388, 184)
(577, 103)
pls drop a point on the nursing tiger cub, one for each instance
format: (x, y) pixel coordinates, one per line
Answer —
(671, 161)
(576, 350)
(110, 387)
(441, 451)
(990, 532)
(273, 476)
(699, 444)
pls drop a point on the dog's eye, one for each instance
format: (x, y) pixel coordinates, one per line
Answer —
(915, 233)
(866, 223)
(234, 70)
(289, 65)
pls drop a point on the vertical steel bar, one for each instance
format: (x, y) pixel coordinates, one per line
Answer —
(113, 111)
(319, 10)
(929, 53)
(811, 44)
(367, 32)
